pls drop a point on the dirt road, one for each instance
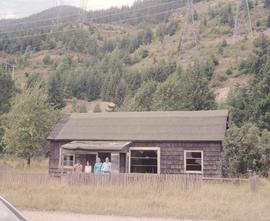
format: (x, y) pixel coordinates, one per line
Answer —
(59, 216)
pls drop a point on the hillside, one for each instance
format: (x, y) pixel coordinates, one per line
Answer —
(102, 41)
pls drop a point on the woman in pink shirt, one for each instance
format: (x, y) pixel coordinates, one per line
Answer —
(78, 167)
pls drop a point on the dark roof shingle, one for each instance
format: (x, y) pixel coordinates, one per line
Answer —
(143, 126)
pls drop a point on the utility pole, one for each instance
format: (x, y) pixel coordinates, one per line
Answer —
(189, 28)
(242, 16)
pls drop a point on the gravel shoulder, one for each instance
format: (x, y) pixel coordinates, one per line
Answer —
(57, 216)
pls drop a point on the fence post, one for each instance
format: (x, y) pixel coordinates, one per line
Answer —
(253, 183)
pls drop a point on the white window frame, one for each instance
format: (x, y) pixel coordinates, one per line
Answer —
(74, 160)
(185, 162)
(145, 148)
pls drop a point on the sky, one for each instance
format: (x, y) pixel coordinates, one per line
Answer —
(23, 8)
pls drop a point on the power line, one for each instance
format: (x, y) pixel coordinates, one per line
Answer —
(74, 29)
(93, 19)
(119, 20)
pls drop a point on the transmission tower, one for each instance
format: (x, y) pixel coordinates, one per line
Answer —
(190, 27)
(84, 7)
(242, 17)
(58, 4)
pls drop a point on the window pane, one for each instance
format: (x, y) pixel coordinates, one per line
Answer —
(193, 161)
(144, 161)
(144, 153)
(193, 155)
(194, 168)
(68, 160)
(143, 169)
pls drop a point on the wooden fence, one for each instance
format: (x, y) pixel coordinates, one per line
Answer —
(24, 178)
(159, 182)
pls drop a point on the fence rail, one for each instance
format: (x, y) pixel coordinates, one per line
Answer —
(159, 182)
(24, 178)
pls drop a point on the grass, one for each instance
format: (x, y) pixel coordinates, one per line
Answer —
(224, 201)
(38, 164)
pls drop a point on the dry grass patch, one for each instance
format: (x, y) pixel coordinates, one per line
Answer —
(212, 201)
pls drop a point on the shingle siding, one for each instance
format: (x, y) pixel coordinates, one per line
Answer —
(172, 156)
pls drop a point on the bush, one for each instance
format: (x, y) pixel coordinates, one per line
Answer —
(145, 53)
(47, 60)
(97, 109)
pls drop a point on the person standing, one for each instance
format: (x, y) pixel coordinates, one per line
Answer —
(78, 167)
(88, 167)
(98, 166)
(106, 166)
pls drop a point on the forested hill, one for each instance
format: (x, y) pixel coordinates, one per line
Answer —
(117, 54)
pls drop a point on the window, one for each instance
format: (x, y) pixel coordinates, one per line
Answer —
(69, 160)
(144, 160)
(193, 161)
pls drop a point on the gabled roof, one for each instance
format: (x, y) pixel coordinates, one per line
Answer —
(143, 126)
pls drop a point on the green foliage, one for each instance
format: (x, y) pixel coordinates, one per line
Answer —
(168, 95)
(47, 59)
(28, 123)
(160, 71)
(84, 84)
(121, 92)
(268, 21)
(97, 109)
(7, 91)
(252, 103)
(110, 85)
(143, 98)
(169, 29)
(207, 66)
(83, 108)
(226, 15)
(195, 91)
(55, 91)
(246, 148)
(33, 80)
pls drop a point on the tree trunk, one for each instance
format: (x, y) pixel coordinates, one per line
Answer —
(28, 161)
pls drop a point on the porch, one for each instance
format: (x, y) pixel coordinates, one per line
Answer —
(123, 156)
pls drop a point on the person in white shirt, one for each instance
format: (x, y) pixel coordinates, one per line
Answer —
(106, 166)
(88, 167)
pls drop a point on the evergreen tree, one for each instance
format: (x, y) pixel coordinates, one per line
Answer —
(120, 92)
(268, 21)
(168, 96)
(143, 98)
(56, 91)
(7, 90)
(195, 91)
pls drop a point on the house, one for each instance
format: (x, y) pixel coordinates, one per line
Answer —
(141, 142)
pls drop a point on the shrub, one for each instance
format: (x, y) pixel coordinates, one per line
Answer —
(97, 109)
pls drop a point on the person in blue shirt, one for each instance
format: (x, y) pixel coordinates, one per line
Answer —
(98, 166)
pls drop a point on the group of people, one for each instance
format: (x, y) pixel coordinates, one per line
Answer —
(99, 167)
